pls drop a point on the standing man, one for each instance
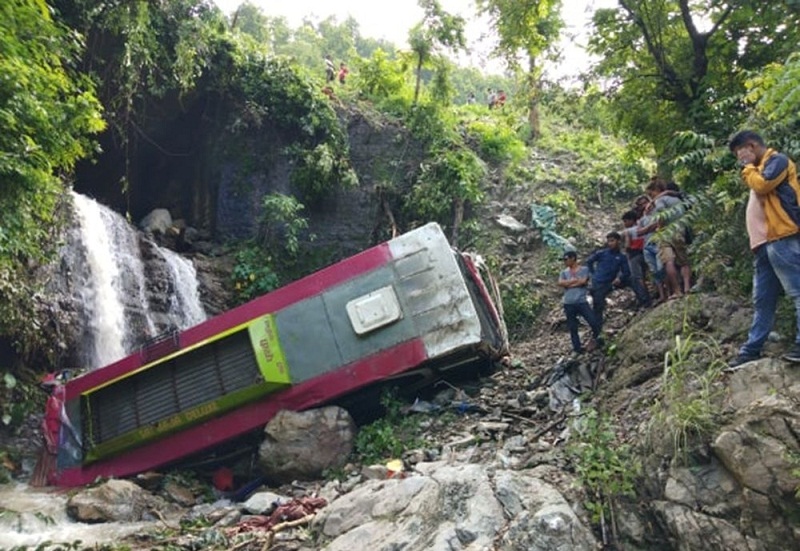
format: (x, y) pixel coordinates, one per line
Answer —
(773, 225)
(574, 280)
(634, 249)
(609, 269)
(330, 69)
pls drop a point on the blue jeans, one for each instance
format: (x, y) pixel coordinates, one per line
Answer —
(653, 262)
(638, 268)
(599, 293)
(776, 267)
(583, 310)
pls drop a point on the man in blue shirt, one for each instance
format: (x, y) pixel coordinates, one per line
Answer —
(609, 269)
(574, 280)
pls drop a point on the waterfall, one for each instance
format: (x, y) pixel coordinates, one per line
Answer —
(125, 297)
(185, 307)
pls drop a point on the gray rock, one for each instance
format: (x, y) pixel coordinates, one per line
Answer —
(511, 224)
(158, 221)
(115, 500)
(301, 445)
(263, 503)
(699, 531)
(444, 507)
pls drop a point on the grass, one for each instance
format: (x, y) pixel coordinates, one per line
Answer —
(687, 408)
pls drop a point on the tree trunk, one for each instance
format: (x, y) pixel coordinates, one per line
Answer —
(458, 217)
(419, 78)
(533, 99)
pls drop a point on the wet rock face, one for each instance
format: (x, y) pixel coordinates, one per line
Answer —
(344, 222)
(115, 501)
(114, 288)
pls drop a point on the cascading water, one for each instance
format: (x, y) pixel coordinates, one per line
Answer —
(125, 298)
(185, 307)
(37, 519)
(125, 289)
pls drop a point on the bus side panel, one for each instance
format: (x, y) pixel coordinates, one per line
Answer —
(249, 417)
(318, 336)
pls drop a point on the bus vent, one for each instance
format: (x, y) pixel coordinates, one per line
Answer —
(157, 393)
(160, 346)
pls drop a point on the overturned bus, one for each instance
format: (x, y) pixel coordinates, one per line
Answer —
(412, 303)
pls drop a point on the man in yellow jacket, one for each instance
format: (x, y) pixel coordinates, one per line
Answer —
(773, 225)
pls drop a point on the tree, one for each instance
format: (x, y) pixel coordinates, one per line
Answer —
(671, 63)
(526, 28)
(438, 29)
(48, 116)
(249, 19)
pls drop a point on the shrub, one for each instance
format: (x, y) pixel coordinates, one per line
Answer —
(521, 307)
(604, 466)
(497, 142)
(390, 436)
(253, 274)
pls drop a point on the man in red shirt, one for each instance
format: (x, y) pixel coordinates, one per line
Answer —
(634, 250)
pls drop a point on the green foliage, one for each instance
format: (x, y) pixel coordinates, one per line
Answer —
(528, 29)
(253, 274)
(774, 90)
(272, 259)
(530, 26)
(380, 77)
(270, 91)
(19, 398)
(686, 409)
(497, 142)
(597, 165)
(674, 62)
(521, 307)
(48, 115)
(604, 466)
(320, 170)
(388, 437)
(281, 225)
(438, 30)
(566, 209)
(717, 214)
(452, 175)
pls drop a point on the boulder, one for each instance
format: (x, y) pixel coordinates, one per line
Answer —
(742, 494)
(302, 445)
(116, 501)
(158, 221)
